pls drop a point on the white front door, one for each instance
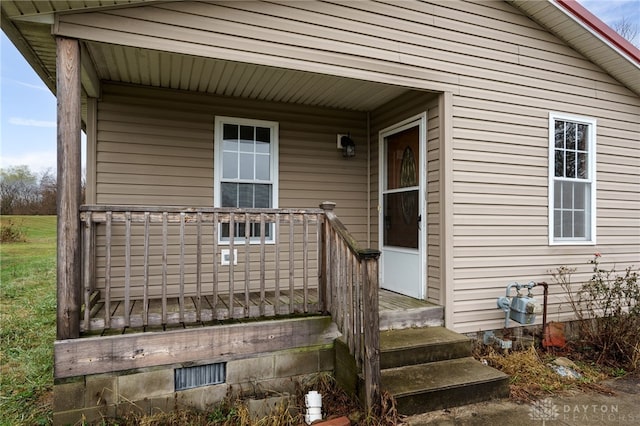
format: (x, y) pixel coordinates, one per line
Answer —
(402, 210)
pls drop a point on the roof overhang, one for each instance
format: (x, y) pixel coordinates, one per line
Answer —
(28, 26)
(587, 34)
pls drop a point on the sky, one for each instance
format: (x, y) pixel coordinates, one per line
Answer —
(28, 108)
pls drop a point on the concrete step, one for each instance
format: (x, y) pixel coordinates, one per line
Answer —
(421, 345)
(436, 385)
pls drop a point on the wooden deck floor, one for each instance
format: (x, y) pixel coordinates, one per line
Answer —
(396, 311)
(210, 313)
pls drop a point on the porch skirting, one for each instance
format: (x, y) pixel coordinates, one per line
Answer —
(136, 373)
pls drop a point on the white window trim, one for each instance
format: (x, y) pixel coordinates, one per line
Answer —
(219, 121)
(553, 116)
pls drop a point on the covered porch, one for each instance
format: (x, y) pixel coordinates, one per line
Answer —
(153, 252)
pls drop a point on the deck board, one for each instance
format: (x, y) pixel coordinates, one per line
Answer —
(210, 311)
(396, 311)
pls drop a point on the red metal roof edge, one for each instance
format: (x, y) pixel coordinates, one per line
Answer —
(593, 22)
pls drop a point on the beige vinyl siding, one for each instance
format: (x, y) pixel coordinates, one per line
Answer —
(435, 289)
(506, 73)
(155, 148)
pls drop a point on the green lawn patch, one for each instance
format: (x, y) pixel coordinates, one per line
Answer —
(27, 321)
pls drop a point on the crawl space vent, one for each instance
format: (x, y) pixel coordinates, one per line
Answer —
(201, 375)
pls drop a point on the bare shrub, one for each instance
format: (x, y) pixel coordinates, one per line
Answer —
(608, 307)
(11, 232)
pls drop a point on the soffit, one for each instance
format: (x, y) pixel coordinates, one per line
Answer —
(226, 78)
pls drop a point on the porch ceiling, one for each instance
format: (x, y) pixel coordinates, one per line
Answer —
(227, 78)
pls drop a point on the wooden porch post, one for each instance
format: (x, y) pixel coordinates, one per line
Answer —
(69, 175)
(371, 322)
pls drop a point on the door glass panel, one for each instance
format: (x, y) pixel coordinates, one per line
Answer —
(400, 200)
(401, 219)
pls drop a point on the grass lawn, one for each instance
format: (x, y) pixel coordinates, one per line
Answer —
(27, 321)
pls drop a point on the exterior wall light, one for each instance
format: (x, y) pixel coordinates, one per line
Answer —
(348, 146)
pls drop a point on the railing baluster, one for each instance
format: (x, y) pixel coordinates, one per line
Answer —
(232, 235)
(247, 281)
(107, 274)
(214, 233)
(320, 265)
(182, 249)
(305, 262)
(145, 291)
(127, 270)
(86, 269)
(262, 263)
(291, 265)
(165, 231)
(199, 267)
(277, 262)
(358, 310)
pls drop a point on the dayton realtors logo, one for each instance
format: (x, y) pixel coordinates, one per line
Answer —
(601, 414)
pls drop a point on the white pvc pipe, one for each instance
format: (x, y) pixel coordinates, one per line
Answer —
(313, 401)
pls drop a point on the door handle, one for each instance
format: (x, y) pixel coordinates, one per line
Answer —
(419, 221)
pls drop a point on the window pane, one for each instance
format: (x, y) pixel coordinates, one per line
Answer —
(567, 223)
(246, 146)
(567, 195)
(559, 134)
(246, 166)
(571, 164)
(263, 147)
(245, 195)
(557, 224)
(263, 196)
(582, 137)
(246, 138)
(230, 131)
(230, 145)
(579, 200)
(559, 163)
(578, 225)
(263, 134)
(247, 133)
(557, 194)
(582, 165)
(262, 167)
(571, 135)
(229, 194)
(230, 165)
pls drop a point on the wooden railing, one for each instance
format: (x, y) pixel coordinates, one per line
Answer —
(350, 276)
(149, 255)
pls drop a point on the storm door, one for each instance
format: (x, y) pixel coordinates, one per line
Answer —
(402, 218)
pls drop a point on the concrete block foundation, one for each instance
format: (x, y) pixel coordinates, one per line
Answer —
(149, 390)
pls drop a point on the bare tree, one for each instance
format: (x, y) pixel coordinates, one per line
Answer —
(48, 193)
(627, 29)
(18, 190)
(24, 192)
